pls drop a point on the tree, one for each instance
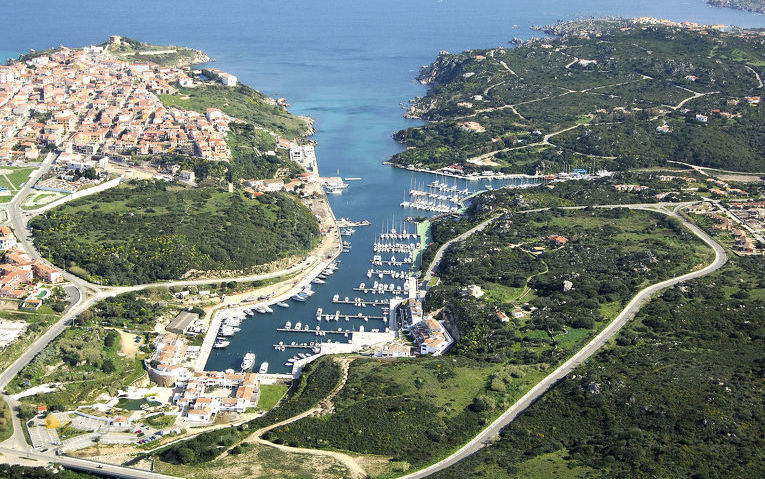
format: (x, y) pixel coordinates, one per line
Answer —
(85, 317)
(108, 366)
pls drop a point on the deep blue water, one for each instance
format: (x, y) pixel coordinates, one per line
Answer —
(347, 63)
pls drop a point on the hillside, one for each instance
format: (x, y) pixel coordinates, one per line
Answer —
(679, 394)
(595, 94)
(432, 405)
(165, 55)
(755, 6)
(151, 231)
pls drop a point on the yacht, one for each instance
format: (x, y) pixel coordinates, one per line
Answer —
(263, 368)
(288, 325)
(282, 304)
(248, 361)
(221, 343)
(267, 309)
(299, 297)
(318, 314)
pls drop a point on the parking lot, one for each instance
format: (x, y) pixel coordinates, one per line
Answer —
(41, 436)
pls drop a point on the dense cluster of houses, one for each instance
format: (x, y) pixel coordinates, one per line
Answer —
(631, 188)
(196, 397)
(429, 334)
(739, 217)
(87, 101)
(198, 393)
(18, 270)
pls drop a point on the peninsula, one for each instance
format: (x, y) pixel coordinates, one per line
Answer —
(608, 93)
(131, 171)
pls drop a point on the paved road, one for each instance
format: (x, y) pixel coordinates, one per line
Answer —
(85, 465)
(440, 253)
(492, 431)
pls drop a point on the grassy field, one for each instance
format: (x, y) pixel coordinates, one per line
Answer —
(270, 395)
(13, 177)
(408, 411)
(160, 421)
(260, 462)
(36, 200)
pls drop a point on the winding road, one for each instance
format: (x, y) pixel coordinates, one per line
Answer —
(82, 295)
(492, 431)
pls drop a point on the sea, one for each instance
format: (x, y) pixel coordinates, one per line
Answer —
(349, 64)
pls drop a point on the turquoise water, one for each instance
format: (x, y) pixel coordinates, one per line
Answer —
(347, 63)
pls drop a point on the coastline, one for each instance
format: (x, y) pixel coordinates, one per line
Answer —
(319, 258)
(476, 177)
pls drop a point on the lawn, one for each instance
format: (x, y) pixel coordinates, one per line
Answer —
(13, 177)
(270, 395)
(550, 465)
(135, 404)
(160, 421)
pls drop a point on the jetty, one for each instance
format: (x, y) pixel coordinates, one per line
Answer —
(346, 223)
(361, 302)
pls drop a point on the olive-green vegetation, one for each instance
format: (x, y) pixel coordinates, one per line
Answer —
(411, 410)
(610, 254)
(37, 323)
(318, 380)
(8, 471)
(151, 231)
(86, 360)
(601, 95)
(679, 394)
(6, 421)
(600, 191)
(129, 311)
(136, 51)
(417, 411)
(250, 460)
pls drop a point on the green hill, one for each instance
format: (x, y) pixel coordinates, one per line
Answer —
(151, 231)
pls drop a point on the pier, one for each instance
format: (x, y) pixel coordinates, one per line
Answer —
(348, 317)
(282, 347)
(346, 223)
(361, 302)
(320, 332)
